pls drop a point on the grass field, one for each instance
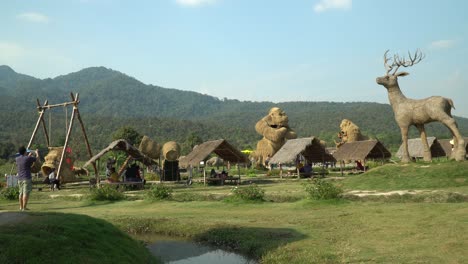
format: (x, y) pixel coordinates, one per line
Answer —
(289, 228)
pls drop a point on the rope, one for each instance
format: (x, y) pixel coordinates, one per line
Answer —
(50, 128)
(66, 119)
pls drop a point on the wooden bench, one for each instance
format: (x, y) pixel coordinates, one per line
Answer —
(139, 185)
(222, 181)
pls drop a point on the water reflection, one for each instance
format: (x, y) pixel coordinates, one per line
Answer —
(181, 252)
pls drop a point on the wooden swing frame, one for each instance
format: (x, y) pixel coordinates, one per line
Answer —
(42, 108)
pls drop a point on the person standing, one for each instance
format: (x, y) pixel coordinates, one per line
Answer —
(23, 163)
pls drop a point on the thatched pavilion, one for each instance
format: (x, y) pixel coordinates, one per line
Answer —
(361, 151)
(310, 148)
(220, 147)
(123, 145)
(416, 148)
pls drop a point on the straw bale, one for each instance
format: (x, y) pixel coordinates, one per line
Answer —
(171, 150)
(150, 148)
(52, 160)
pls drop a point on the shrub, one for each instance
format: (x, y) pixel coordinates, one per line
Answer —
(106, 193)
(159, 192)
(249, 193)
(322, 190)
(10, 193)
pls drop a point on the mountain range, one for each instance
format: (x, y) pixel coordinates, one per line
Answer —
(110, 100)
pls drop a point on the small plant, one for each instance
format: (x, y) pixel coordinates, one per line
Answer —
(249, 193)
(322, 190)
(106, 193)
(9, 193)
(159, 192)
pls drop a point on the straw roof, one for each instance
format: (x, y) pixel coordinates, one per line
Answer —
(123, 145)
(447, 147)
(310, 148)
(220, 147)
(416, 148)
(362, 150)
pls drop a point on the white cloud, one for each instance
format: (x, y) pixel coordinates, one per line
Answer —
(443, 44)
(324, 5)
(33, 17)
(10, 51)
(194, 3)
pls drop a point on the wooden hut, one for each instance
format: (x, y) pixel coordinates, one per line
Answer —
(416, 148)
(221, 148)
(310, 148)
(129, 149)
(361, 151)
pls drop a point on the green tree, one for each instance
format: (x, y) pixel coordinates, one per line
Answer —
(128, 133)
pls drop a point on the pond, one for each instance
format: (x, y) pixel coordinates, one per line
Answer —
(176, 251)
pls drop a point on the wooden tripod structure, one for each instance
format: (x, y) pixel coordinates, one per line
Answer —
(42, 108)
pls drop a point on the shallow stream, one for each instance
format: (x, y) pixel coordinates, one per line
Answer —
(177, 251)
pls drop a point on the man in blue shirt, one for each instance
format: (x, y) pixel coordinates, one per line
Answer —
(23, 163)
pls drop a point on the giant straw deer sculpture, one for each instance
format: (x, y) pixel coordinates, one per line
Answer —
(418, 112)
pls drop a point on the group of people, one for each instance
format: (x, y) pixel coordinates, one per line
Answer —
(132, 173)
(214, 174)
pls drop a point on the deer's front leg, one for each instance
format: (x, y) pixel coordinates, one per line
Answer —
(404, 136)
(427, 152)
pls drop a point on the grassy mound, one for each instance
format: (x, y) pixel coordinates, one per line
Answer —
(435, 175)
(66, 238)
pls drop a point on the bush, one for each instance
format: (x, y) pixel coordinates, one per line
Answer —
(249, 193)
(10, 193)
(106, 193)
(159, 192)
(322, 190)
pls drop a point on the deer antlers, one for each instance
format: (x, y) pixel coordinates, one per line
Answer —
(397, 61)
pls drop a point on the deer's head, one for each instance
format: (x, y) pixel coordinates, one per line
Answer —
(390, 79)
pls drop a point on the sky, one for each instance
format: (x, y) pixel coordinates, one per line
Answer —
(250, 50)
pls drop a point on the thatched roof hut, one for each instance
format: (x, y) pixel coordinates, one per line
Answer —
(416, 148)
(310, 148)
(362, 150)
(123, 145)
(447, 146)
(220, 147)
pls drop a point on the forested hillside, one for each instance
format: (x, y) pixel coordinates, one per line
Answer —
(111, 100)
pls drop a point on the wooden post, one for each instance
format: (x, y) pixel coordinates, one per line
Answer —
(43, 122)
(204, 176)
(88, 147)
(124, 165)
(67, 138)
(238, 170)
(341, 167)
(41, 114)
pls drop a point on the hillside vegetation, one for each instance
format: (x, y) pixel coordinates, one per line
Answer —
(110, 100)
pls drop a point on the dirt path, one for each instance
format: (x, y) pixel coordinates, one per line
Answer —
(12, 217)
(376, 193)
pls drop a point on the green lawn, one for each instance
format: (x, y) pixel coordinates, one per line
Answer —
(288, 228)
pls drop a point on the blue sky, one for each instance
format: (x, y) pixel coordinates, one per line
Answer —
(258, 50)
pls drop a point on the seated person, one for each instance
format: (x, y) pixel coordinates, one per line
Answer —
(53, 181)
(213, 173)
(224, 174)
(307, 169)
(114, 176)
(132, 173)
(359, 165)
